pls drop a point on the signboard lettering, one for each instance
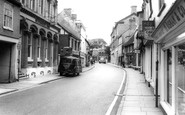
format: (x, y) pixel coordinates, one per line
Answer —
(173, 19)
(148, 28)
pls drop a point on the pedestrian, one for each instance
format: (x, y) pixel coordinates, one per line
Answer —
(123, 64)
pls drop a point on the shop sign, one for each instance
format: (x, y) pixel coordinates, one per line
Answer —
(175, 17)
(148, 28)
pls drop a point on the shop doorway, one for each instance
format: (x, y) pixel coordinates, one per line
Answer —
(5, 62)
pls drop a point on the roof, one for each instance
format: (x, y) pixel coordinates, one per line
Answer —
(121, 21)
(67, 27)
(130, 41)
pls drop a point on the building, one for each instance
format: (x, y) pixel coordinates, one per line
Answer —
(98, 47)
(169, 38)
(160, 41)
(69, 35)
(39, 38)
(122, 39)
(84, 43)
(9, 39)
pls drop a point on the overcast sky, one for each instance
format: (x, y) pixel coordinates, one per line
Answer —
(99, 16)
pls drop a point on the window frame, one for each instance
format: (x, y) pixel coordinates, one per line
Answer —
(162, 6)
(32, 4)
(39, 50)
(30, 55)
(46, 50)
(10, 8)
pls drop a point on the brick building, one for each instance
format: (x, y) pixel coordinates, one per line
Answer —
(39, 38)
(9, 39)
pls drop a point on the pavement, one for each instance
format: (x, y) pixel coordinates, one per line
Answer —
(137, 98)
(23, 84)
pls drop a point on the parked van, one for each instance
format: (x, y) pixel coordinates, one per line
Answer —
(70, 65)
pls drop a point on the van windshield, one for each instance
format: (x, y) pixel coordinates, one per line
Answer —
(65, 60)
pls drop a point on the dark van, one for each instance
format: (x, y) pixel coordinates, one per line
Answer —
(69, 65)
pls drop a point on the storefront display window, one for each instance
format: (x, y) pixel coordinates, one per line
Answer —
(180, 74)
(169, 76)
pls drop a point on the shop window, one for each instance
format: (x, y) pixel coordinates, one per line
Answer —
(169, 76)
(8, 16)
(29, 48)
(180, 74)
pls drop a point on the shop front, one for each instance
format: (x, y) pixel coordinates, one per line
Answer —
(170, 38)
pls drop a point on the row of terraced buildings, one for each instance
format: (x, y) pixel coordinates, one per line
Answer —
(31, 36)
(153, 42)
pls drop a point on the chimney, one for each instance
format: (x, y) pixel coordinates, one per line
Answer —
(74, 17)
(68, 11)
(133, 9)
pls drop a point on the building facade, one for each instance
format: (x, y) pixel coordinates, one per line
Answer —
(39, 38)
(69, 34)
(9, 39)
(170, 39)
(162, 52)
(83, 44)
(121, 38)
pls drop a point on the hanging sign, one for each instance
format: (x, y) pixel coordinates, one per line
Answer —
(148, 28)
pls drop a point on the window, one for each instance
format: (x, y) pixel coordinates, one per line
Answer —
(180, 74)
(8, 16)
(46, 50)
(32, 4)
(161, 7)
(169, 76)
(161, 2)
(38, 48)
(23, 1)
(29, 48)
(41, 7)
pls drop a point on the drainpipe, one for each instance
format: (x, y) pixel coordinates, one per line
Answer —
(156, 81)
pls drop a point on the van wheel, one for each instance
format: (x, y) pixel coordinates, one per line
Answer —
(77, 74)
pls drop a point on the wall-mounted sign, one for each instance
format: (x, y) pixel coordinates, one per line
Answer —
(174, 18)
(148, 28)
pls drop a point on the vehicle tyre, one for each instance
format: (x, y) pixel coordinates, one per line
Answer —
(78, 74)
(74, 74)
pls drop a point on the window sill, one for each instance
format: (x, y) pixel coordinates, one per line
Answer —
(39, 60)
(30, 60)
(7, 28)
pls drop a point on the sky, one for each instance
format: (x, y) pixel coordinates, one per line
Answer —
(99, 16)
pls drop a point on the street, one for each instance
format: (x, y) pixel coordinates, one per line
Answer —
(91, 93)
